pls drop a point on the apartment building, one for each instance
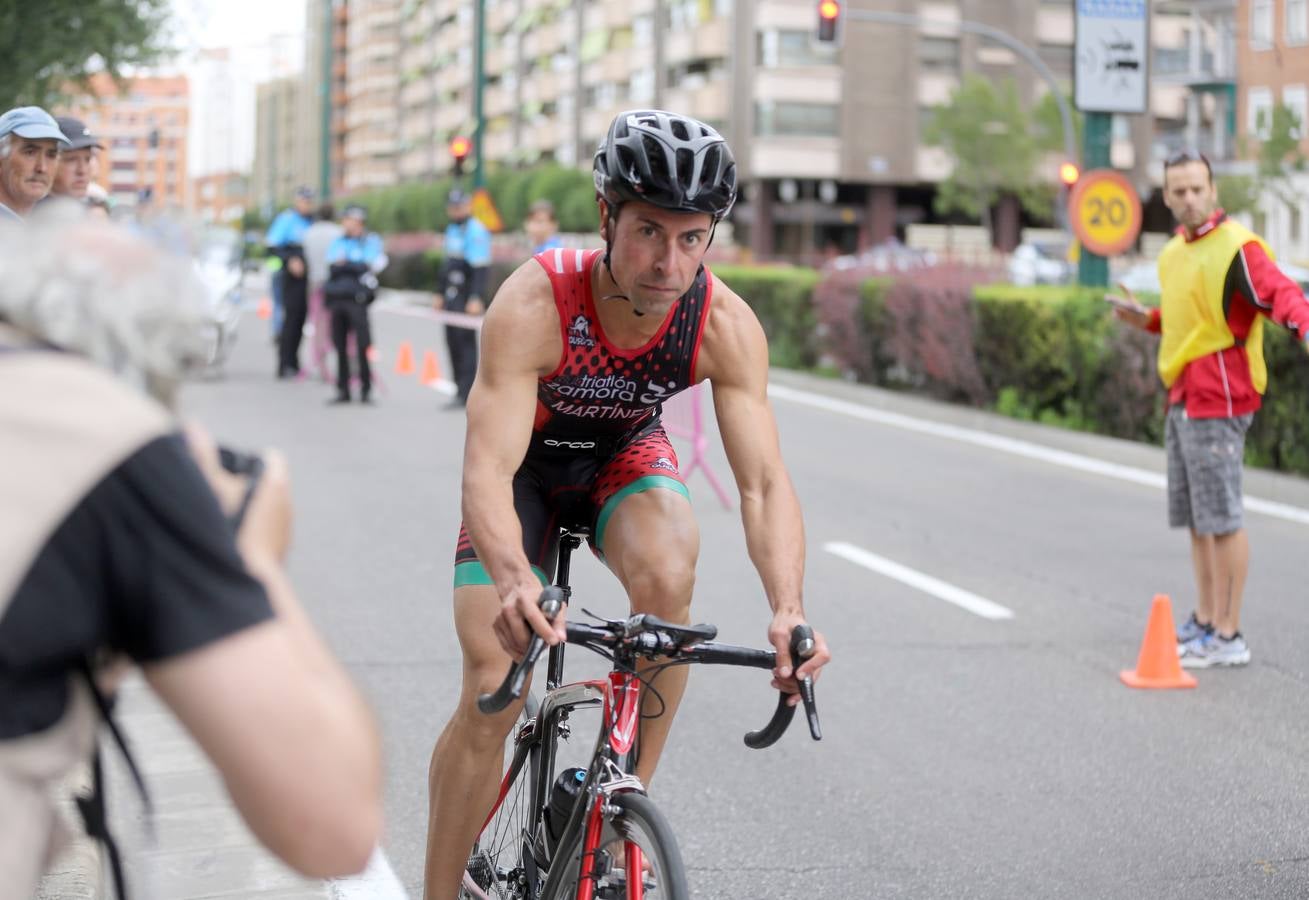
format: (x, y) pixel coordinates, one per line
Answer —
(326, 84)
(1273, 60)
(1273, 57)
(372, 121)
(828, 138)
(280, 154)
(221, 197)
(144, 129)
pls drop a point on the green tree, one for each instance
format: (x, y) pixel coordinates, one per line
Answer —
(1238, 193)
(1279, 154)
(1048, 125)
(45, 47)
(995, 147)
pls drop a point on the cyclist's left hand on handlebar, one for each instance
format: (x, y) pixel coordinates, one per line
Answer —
(521, 615)
(779, 635)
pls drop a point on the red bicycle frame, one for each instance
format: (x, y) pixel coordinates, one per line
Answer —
(621, 715)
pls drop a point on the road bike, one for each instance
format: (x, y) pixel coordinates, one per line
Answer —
(592, 833)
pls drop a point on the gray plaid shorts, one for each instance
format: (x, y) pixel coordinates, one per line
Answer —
(1204, 471)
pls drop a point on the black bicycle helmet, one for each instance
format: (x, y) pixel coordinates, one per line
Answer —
(672, 161)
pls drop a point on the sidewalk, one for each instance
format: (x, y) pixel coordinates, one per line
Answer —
(203, 849)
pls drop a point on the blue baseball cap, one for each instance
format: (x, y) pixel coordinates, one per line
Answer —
(33, 123)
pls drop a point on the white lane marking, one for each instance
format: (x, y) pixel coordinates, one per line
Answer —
(377, 882)
(1017, 447)
(978, 606)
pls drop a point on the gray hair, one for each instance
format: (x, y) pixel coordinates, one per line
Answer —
(96, 289)
(6, 145)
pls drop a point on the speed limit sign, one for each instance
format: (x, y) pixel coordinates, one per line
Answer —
(1105, 212)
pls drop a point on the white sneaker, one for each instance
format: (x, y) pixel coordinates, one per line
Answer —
(1210, 650)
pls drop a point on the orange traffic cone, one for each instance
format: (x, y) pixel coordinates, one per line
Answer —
(1158, 665)
(265, 308)
(431, 370)
(404, 360)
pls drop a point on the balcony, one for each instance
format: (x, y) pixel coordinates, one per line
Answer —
(1177, 65)
(784, 157)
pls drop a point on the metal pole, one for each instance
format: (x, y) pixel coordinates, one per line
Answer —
(479, 85)
(325, 114)
(1093, 270)
(994, 34)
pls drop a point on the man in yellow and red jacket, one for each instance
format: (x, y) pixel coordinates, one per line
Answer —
(1218, 284)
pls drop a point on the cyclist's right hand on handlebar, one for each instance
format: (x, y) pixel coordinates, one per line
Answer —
(521, 616)
(779, 635)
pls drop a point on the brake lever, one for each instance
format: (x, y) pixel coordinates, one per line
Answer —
(803, 646)
(551, 601)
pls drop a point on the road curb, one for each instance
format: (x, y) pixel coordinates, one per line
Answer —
(78, 872)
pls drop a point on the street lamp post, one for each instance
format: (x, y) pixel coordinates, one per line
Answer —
(479, 86)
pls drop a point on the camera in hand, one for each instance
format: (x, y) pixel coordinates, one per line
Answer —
(238, 462)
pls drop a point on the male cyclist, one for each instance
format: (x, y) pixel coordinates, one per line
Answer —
(579, 350)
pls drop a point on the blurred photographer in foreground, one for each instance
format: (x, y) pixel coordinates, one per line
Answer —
(121, 538)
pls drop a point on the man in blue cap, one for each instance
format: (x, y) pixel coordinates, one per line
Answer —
(30, 144)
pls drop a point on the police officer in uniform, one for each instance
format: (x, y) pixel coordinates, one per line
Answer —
(285, 240)
(463, 286)
(354, 261)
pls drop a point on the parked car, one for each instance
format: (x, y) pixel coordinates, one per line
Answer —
(1033, 263)
(1144, 278)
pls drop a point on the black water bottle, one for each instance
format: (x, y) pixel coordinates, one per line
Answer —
(562, 798)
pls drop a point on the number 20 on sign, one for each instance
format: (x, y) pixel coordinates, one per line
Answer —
(1105, 212)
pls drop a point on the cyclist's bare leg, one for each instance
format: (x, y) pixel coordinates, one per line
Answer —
(651, 543)
(468, 760)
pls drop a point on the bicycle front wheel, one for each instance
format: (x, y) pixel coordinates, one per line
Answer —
(500, 867)
(638, 858)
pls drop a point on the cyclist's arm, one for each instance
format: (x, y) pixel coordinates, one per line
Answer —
(734, 358)
(520, 342)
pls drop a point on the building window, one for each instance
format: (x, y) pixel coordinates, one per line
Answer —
(785, 49)
(1296, 99)
(778, 118)
(1297, 21)
(938, 54)
(643, 86)
(1259, 112)
(1261, 24)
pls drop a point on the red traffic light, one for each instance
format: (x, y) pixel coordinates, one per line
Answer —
(829, 13)
(1069, 173)
(460, 147)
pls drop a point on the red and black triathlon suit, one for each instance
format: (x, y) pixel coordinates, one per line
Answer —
(597, 436)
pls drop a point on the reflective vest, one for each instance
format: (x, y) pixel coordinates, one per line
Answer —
(1192, 275)
(65, 424)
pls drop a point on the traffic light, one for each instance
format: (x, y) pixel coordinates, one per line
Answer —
(459, 149)
(829, 17)
(1068, 174)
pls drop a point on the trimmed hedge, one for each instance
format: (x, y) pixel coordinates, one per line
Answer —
(780, 297)
(418, 271)
(1055, 355)
(1279, 437)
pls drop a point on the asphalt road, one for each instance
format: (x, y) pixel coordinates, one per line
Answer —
(963, 756)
